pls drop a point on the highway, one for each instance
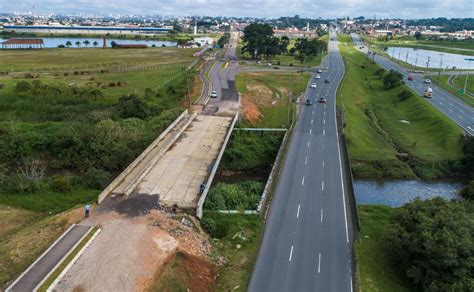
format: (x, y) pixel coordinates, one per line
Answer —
(445, 102)
(307, 243)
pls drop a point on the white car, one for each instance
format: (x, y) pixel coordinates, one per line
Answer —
(319, 71)
(427, 81)
(313, 85)
(317, 76)
(214, 94)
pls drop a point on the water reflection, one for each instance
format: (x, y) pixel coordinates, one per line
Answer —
(430, 59)
(395, 193)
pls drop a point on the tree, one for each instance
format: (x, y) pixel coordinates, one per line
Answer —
(305, 48)
(68, 44)
(434, 240)
(131, 106)
(95, 44)
(418, 35)
(224, 39)
(284, 42)
(392, 79)
(258, 39)
(78, 44)
(86, 42)
(113, 44)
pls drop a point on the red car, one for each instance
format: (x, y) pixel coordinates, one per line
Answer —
(322, 100)
(410, 78)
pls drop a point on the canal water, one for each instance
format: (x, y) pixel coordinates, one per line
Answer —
(55, 42)
(396, 193)
(430, 59)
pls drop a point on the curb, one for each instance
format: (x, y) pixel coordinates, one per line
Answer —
(73, 261)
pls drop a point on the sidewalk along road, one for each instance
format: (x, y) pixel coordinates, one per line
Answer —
(447, 103)
(307, 243)
(48, 260)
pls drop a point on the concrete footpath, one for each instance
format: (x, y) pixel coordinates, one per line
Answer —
(49, 259)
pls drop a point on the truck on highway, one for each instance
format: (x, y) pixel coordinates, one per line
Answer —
(428, 92)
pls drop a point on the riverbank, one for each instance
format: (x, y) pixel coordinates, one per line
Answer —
(379, 268)
(391, 137)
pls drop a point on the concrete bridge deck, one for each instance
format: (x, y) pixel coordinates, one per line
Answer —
(176, 163)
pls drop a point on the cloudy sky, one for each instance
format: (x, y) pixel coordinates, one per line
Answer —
(260, 8)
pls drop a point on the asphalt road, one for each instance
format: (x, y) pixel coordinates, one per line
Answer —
(38, 271)
(445, 102)
(307, 243)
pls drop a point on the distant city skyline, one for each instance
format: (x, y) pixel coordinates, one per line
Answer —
(252, 8)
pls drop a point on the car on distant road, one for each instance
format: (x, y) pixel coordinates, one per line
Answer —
(410, 77)
(317, 76)
(327, 81)
(427, 81)
(269, 64)
(214, 94)
(313, 85)
(322, 100)
(308, 102)
(319, 71)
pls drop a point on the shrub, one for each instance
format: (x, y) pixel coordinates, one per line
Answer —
(404, 95)
(380, 72)
(392, 79)
(131, 106)
(61, 183)
(23, 86)
(242, 196)
(19, 184)
(468, 191)
(210, 226)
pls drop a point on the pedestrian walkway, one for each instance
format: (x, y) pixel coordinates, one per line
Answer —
(35, 274)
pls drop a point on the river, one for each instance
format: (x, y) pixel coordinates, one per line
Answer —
(430, 59)
(55, 42)
(396, 193)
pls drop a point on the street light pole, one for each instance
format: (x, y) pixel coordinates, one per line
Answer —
(416, 61)
(467, 73)
(440, 64)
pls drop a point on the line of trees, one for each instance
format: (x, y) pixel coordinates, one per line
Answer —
(260, 42)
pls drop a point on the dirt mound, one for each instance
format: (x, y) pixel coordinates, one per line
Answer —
(250, 111)
(185, 272)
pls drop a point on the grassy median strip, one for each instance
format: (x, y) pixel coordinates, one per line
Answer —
(379, 269)
(389, 136)
(53, 276)
(442, 81)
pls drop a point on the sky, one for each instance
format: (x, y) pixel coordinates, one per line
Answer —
(253, 8)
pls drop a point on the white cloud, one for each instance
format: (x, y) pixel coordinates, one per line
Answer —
(260, 8)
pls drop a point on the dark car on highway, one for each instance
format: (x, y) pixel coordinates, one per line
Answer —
(327, 81)
(308, 102)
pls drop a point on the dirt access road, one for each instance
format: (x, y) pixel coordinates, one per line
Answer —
(137, 239)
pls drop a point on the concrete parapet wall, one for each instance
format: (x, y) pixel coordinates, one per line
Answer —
(132, 165)
(202, 199)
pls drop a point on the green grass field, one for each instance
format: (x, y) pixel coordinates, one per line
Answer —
(64, 59)
(442, 81)
(269, 93)
(379, 126)
(378, 267)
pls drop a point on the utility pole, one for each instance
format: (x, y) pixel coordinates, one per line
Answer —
(399, 53)
(288, 109)
(467, 73)
(406, 58)
(440, 64)
(428, 62)
(416, 61)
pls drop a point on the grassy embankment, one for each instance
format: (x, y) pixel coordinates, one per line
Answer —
(379, 126)
(442, 81)
(265, 97)
(379, 269)
(62, 138)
